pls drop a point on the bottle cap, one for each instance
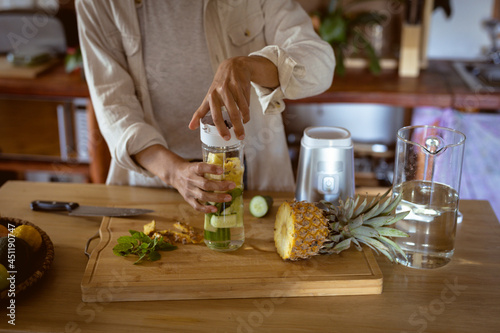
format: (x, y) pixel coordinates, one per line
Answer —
(320, 137)
(209, 134)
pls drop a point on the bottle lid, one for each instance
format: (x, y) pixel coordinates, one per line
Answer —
(209, 134)
(319, 137)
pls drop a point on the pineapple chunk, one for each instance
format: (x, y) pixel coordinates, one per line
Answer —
(215, 158)
(233, 170)
(232, 163)
(150, 228)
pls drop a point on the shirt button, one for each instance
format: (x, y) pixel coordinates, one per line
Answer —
(247, 32)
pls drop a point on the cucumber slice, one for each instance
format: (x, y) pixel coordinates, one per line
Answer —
(237, 203)
(239, 213)
(229, 208)
(237, 208)
(208, 226)
(227, 211)
(260, 205)
(224, 221)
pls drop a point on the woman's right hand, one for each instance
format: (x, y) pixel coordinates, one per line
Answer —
(231, 88)
(187, 177)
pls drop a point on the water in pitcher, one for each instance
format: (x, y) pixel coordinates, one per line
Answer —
(431, 223)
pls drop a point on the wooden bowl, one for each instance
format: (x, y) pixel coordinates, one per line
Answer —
(41, 262)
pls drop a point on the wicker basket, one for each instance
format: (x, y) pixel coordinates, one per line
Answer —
(41, 262)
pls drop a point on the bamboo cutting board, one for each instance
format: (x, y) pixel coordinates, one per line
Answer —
(196, 272)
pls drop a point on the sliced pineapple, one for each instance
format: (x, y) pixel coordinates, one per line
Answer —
(303, 230)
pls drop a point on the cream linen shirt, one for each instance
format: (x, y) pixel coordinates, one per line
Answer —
(276, 29)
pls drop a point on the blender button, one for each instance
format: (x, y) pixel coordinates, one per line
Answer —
(328, 183)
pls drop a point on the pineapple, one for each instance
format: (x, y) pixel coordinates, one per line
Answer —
(304, 229)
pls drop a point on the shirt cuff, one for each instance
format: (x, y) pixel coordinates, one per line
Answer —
(272, 100)
(135, 139)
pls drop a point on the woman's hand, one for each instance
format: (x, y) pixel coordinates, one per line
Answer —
(196, 189)
(231, 88)
(188, 178)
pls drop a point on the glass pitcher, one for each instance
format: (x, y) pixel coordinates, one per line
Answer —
(427, 172)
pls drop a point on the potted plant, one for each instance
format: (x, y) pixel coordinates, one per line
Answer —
(344, 30)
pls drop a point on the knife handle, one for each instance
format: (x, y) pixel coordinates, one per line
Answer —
(41, 205)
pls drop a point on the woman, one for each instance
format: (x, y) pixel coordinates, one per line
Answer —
(150, 68)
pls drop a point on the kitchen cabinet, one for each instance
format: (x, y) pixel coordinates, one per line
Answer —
(66, 93)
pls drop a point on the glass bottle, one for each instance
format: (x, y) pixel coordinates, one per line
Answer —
(224, 230)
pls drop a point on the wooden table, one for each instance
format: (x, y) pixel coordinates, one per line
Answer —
(463, 296)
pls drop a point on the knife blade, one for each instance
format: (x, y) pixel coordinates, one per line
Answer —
(75, 209)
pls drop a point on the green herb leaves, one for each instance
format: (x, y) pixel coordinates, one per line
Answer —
(141, 245)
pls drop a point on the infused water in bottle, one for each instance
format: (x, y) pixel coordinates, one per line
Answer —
(224, 230)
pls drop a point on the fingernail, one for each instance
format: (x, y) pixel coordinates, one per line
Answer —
(228, 198)
(213, 209)
(227, 137)
(231, 186)
(241, 137)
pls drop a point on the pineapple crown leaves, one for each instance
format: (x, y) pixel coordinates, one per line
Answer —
(352, 222)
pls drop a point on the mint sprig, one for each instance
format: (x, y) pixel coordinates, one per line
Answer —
(141, 245)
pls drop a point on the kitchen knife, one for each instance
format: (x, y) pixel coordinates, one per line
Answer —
(75, 209)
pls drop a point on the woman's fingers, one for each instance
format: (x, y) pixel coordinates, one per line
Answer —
(199, 190)
(218, 118)
(199, 114)
(242, 99)
(207, 185)
(230, 88)
(235, 116)
(199, 206)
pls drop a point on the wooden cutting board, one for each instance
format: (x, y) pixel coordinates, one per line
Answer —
(196, 272)
(8, 70)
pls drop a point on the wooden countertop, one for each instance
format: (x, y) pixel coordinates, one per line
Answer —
(439, 85)
(360, 86)
(463, 296)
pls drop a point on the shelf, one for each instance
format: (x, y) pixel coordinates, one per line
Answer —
(439, 85)
(24, 165)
